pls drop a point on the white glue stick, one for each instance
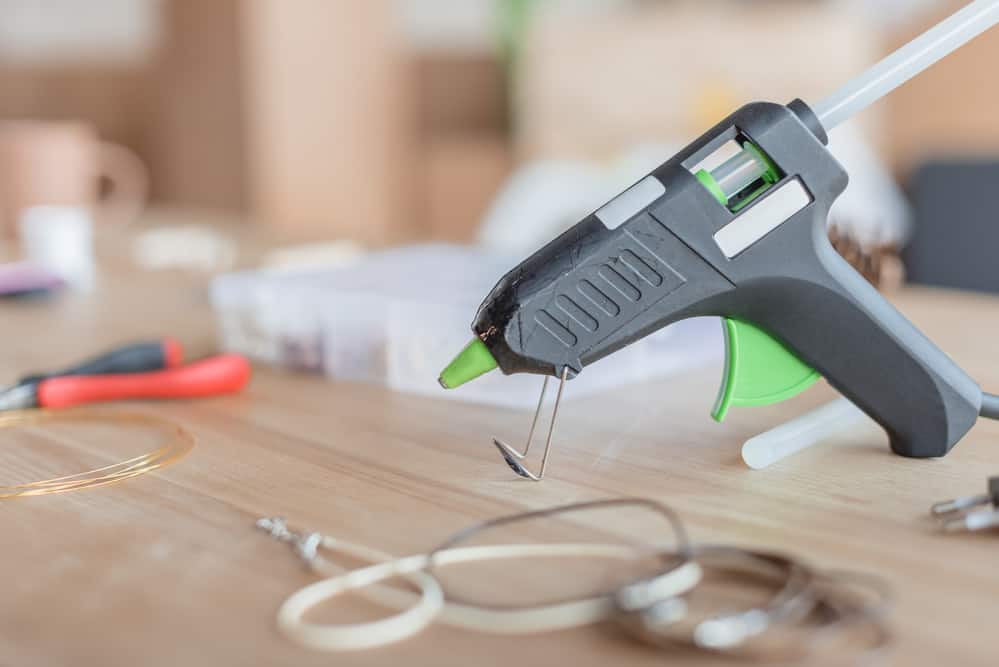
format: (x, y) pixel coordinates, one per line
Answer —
(801, 433)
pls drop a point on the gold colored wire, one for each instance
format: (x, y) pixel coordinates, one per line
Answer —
(179, 444)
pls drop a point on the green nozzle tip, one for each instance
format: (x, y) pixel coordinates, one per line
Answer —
(474, 360)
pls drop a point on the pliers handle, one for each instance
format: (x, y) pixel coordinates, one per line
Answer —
(139, 371)
(135, 358)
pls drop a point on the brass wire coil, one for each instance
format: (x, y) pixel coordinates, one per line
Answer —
(180, 442)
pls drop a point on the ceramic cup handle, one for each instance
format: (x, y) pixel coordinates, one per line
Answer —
(129, 179)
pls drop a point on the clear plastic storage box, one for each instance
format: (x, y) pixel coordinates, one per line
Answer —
(398, 317)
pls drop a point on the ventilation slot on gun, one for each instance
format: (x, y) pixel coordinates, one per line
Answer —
(641, 268)
(558, 330)
(598, 298)
(619, 283)
(576, 313)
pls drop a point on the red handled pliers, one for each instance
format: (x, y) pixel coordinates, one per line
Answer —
(139, 371)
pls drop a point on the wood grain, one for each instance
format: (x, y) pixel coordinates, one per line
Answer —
(167, 569)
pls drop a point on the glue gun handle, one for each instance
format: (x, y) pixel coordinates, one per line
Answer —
(841, 326)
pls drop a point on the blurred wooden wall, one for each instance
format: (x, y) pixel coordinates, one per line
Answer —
(329, 115)
(952, 109)
(115, 98)
(180, 110)
(312, 117)
(196, 121)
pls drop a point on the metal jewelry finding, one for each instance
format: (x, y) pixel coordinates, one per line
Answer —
(512, 457)
(960, 515)
(306, 545)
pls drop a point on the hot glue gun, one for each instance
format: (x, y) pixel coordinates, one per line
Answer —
(743, 238)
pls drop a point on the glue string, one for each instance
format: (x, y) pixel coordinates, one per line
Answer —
(179, 443)
(677, 575)
(653, 607)
(430, 605)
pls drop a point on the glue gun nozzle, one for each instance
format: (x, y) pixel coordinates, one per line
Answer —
(473, 361)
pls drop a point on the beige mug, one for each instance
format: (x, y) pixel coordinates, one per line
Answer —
(62, 163)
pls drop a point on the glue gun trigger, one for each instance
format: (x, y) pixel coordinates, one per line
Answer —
(759, 370)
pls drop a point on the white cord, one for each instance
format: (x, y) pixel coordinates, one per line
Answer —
(430, 606)
(351, 637)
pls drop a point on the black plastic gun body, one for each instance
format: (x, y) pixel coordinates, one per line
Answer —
(765, 259)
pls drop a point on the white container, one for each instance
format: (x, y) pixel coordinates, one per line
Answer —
(399, 292)
(398, 317)
(241, 327)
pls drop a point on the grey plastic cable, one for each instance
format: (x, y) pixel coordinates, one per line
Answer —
(990, 406)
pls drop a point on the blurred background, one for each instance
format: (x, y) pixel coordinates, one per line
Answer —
(193, 129)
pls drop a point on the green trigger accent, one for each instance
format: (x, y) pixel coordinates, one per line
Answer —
(758, 370)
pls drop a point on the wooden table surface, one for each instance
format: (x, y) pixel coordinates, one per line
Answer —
(167, 569)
